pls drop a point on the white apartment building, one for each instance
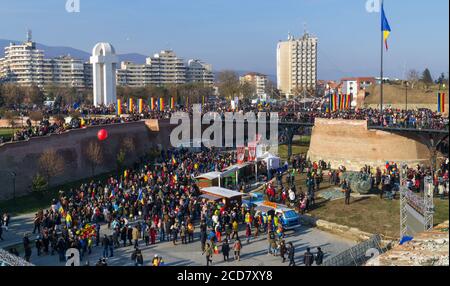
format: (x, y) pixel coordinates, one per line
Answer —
(297, 64)
(134, 75)
(167, 68)
(67, 71)
(199, 72)
(162, 69)
(259, 81)
(25, 65)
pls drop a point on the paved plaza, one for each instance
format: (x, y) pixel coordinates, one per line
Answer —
(253, 254)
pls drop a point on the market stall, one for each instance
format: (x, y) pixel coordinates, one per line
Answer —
(226, 196)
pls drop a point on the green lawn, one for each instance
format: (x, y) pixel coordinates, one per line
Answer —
(300, 146)
(371, 214)
(8, 132)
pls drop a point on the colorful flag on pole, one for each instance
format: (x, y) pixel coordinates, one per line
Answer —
(441, 102)
(161, 104)
(141, 105)
(172, 103)
(385, 27)
(152, 103)
(119, 107)
(130, 105)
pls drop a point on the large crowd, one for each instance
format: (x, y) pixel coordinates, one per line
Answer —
(155, 203)
(288, 111)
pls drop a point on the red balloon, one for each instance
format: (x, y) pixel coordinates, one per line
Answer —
(102, 135)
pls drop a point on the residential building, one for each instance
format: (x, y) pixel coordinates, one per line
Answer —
(66, 71)
(162, 69)
(297, 64)
(167, 68)
(23, 64)
(259, 81)
(26, 65)
(199, 72)
(134, 75)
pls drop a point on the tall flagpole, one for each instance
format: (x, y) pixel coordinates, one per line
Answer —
(382, 54)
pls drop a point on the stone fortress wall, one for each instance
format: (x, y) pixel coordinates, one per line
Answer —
(349, 143)
(22, 157)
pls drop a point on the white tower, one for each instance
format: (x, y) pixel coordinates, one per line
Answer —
(104, 63)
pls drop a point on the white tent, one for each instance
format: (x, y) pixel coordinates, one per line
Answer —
(273, 162)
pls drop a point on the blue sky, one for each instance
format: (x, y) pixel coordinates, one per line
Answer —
(243, 34)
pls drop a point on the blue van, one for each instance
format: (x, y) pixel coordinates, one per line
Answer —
(289, 217)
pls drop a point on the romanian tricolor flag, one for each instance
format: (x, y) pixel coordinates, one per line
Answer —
(161, 104)
(173, 160)
(441, 102)
(172, 103)
(349, 101)
(141, 105)
(119, 107)
(130, 105)
(385, 28)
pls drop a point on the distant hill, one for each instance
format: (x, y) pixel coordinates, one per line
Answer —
(51, 52)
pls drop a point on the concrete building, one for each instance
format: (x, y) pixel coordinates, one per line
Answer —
(104, 63)
(167, 68)
(23, 64)
(134, 75)
(297, 64)
(199, 72)
(162, 69)
(259, 81)
(66, 71)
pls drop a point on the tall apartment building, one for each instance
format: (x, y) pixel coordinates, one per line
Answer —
(167, 68)
(297, 64)
(199, 72)
(25, 65)
(259, 81)
(67, 71)
(134, 75)
(162, 69)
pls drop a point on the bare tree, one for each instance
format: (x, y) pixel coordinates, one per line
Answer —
(413, 77)
(229, 85)
(128, 145)
(51, 164)
(94, 155)
(247, 89)
(36, 116)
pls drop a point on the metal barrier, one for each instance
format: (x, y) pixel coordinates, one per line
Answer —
(7, 259)
(358, 255)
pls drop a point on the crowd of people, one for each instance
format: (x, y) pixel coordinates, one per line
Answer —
(46, 127)
(151, 204)
(287, 111)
